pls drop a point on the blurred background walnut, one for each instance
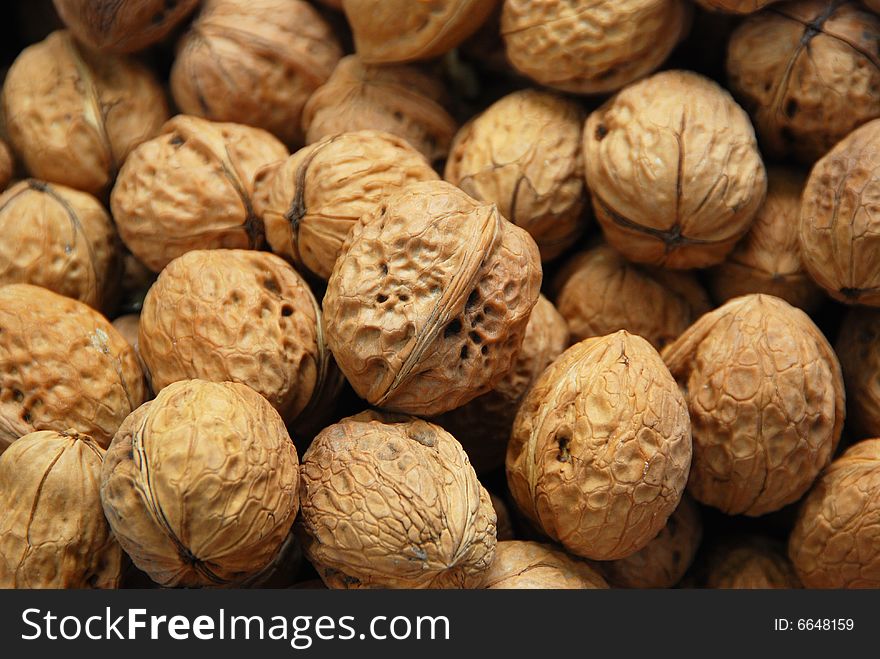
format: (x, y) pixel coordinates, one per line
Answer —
(749, 562)
(525, 565)
(736, 6)
(7, 165)
(858, 347)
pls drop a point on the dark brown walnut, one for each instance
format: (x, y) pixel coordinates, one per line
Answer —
(600, 292)
(254, 62)
(858, 347)
(401, 100)
(736, 6)
(591, 48)
(674, 171)
(73, 116)
(873, 5)
(191, 188)
(122, 26)
(524, 154)
(525, 565)
(61, 239)
(62, 366)
(834, 542)
(768, 258)
(7, 165)
(599, 454)
(135, 282)
(428, 303)
(389, 31)
(52, 530)
(808, 72)
(840, 219)
(752, 563)
(201, 485)
(766, 401)
(310, 201)
(483, 425)
(392, 502)
(504, 523)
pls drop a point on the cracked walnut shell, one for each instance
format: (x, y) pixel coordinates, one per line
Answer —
(428, 304)
(858, 347)
(684, 139)
(751, 563)
(524, 565)
(736, 6)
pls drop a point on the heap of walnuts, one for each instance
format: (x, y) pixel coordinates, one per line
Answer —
(448, 294)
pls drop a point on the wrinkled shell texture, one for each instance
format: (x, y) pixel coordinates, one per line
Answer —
(684, 138)
(191, 188)
(62, 365)
(766, 401)
(524, 154)
(858, 347)
(58, 238)
(254, 62)
(836, 540)
(768, 259)
(52, 530)
(808, 72)
(268, 336)
(594, 48)
(401, 100)
(522, 565)
(736, 6)
(428, 304)
(600, 292)
(7, 165)
(388, 31)
(394, 504)
(840, 219)
(310, 202)
(601, 447)
(73, 116)
(122, 26)
(751, 563)
(201, 485)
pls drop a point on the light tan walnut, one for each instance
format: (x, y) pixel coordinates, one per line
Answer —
(858, 347)
(750, 563)
(526, 565)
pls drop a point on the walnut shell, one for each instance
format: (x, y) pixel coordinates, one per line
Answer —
(766, 401)
(254, 62)
(520, 564)
(428, 303)
(191, 188)
(834, 543)
(52, 530)
(122, 26)
(768, 258)
(503, 521)
(392, 502)
(401, 100)
(808, 72)
(524, 154)
(309, 202)
(201, 485)
(128, 327)
(873, 5)
(73, 116)
(62, 366)
(858, 348)
(591, 48)
(600, 450)
(736, 6)
(840, 219)
(7, 165)
(682, 137)
(58, 238)
(269, 336)
(753, 563)
(600, 292)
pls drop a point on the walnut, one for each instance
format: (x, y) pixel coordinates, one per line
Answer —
(136, 281)
(122, 26)
(750, 562)
(389, 31)
(858, 348)
(128, 327)
(254, 62)
(736, 6)
(200, 485)
(401, 100)
(503, 523)
(834, 541)
(58, 238)
(191, 188)
(428, 303)
(600, 450)
(62, 366)
(808, 72)
(520, 564)
(594, 48)
(309, 202)
(766, 402)
(52, 530)
(392, 502)
(873, 5)
(483, 425)
(7, 165)
(768, 258)
(73, 116)
(682, 137)
(600, 292)
(524, 154)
